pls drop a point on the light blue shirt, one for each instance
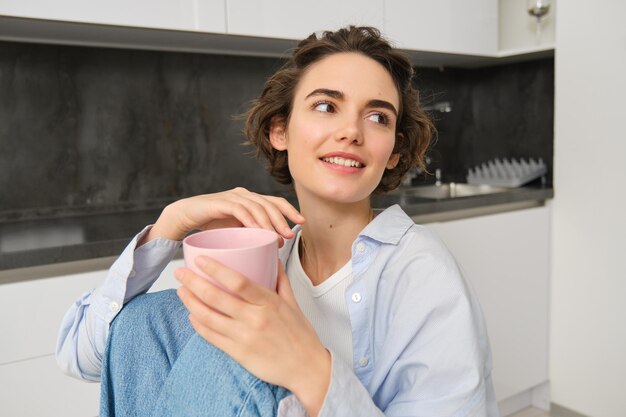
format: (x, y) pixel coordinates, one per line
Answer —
(420, 345)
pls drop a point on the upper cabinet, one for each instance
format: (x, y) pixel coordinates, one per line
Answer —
(290, 19)
(435, 32)
(205, 15)
(451, 26)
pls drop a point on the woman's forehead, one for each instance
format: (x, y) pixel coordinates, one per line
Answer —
(355, 75)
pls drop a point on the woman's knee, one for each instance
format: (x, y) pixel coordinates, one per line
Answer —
(158, 318)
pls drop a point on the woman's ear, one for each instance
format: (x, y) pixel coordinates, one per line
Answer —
(395, 157)
(278, 133)
(393, 160)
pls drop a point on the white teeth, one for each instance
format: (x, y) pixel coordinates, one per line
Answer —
(342, 161)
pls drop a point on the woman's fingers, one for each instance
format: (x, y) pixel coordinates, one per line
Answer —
(210, 293)
(271, 211)
(284, 208)
(215, 338)
(239, 289)
(234, 282)
(233, 208)
(245, 208)
(204, 313)
(251, 213)
(287, 208)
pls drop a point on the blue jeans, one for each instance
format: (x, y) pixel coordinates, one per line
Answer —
(155, 364)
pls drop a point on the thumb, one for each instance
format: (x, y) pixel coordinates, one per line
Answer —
(283, 287)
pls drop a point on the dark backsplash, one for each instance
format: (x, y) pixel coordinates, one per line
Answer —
(84, 128)
(504, 111)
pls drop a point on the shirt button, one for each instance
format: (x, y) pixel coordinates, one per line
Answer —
(363, 362)
(356, 297)
(114, 307)
(360, 247)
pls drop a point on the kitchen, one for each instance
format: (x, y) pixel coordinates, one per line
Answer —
(185, 125)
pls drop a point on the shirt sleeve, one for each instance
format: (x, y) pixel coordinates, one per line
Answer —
(346, 396)
(84, 329)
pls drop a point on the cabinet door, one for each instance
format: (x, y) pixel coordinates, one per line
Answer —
(296, 19)
(205, 15)
(454, 26)
(30, 317)
(37, 387)
(506, 258)
(31, 311)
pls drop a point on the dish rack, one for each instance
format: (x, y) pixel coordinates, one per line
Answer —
(506, 173)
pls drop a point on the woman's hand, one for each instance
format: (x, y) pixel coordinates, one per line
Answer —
(265, 331)
(233, 208)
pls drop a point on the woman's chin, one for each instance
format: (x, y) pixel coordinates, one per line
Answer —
(344, 196)
(334, 193)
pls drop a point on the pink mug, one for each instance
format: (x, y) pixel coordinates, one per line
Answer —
(250, 251)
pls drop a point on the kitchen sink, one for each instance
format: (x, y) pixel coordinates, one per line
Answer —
(448, 190)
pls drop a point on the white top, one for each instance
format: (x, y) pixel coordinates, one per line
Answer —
(324, 304)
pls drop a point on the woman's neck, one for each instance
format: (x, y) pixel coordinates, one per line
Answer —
(327, 236)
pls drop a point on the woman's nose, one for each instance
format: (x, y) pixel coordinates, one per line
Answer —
(350, 130)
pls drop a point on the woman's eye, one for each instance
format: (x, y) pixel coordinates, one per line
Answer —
(379, 118)
(324, 107)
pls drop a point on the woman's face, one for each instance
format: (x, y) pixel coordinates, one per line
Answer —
(341, 130)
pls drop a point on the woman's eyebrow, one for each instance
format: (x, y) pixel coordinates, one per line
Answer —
(326, 92)
(383, 104)
(338, 95)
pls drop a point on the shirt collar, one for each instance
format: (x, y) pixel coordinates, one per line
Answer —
(387, 227)
(285, 251)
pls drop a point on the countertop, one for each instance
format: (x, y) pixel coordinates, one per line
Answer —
(39, 242)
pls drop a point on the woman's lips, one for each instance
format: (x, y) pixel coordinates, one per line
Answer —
(342, 161)
(340, 165)
(343, 158)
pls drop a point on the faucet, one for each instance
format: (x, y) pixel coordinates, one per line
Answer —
(413, 173)
(438, 177)
(441, 106)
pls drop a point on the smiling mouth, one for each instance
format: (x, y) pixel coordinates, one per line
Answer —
(337, 160)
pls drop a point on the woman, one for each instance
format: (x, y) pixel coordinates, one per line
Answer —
(371, 316)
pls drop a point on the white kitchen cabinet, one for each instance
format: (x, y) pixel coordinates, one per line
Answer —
(31, 311)
(452, 26)
(295, 19)
(36, 387)
(30, 317)
(210, 15)
(506, 258)
(187, 15)
(435, 33)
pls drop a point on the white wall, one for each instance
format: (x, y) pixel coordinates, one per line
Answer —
(588, 328)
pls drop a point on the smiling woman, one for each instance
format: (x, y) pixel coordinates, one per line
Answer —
(412, 126)
(335, 117)
(365, 303)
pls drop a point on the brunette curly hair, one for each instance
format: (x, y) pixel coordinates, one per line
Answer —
(414, 129)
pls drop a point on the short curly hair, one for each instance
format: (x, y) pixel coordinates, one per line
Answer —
(414, 129)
